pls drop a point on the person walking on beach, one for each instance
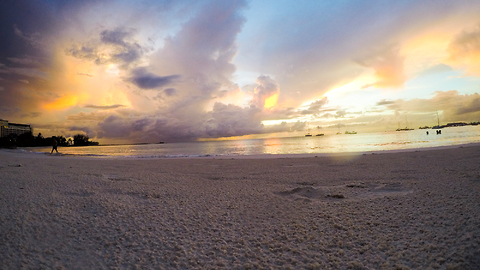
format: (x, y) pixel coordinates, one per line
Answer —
(54, 145)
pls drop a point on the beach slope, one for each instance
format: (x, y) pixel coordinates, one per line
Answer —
(417, 209)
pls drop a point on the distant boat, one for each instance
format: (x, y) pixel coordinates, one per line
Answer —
(350, 132)
(438, 123)
(308, 132)
(406, 128)
(319, 134)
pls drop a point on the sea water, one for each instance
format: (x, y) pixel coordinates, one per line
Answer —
(335, 143)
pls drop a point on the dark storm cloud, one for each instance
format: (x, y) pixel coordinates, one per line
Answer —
(23, 26)
(27, 28)
(146, 80)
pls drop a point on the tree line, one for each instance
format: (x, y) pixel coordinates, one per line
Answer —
(28, 140)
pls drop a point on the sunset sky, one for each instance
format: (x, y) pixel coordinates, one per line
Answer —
(149, 71)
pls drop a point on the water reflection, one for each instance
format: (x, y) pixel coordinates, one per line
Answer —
(360, 142)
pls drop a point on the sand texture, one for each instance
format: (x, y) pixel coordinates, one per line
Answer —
(407, 210)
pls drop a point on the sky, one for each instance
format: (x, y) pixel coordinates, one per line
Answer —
(152, 70)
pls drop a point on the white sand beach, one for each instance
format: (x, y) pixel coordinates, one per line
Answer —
(405, 210)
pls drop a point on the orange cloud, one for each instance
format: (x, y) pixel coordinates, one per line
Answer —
(464, 51)
(271, 101)
(389, 68)
(65, 102)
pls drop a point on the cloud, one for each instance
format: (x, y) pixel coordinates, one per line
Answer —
(25, 61)
(146, 80)
(105, 107)
(385, 102)
(471, 105)
(87, 130)
(126, 52)
(464, 50)
(199, 57)
(31, 115)
(452, 105)
(298, 126)
(465, 43)
(224, 120)
(230, 120)
(266, 87)
(315, 106)
(285, 127)
(85, 52)
(111, 46)
(340, 114)
(440, 68)
(388, 65)
(27, 72)
(33, 39)
(170, 91)
(202, 50)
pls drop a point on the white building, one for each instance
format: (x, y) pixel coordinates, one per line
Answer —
(6, 128)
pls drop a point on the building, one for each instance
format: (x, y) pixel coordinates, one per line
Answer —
(7, 129)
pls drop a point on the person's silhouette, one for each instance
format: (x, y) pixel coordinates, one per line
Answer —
(54, 145)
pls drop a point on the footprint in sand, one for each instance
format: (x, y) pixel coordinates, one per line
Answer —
(351, 191)
(115, 177)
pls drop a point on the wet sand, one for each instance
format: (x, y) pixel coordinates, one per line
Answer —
(403, 210)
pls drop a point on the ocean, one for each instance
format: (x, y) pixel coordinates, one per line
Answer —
(335, 143)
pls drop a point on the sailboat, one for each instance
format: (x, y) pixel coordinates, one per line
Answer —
(350, 132)
(319, 134)
(406, 128)
(438, 123)
(308, 132)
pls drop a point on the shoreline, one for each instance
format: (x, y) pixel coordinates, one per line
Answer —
(254, 156)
